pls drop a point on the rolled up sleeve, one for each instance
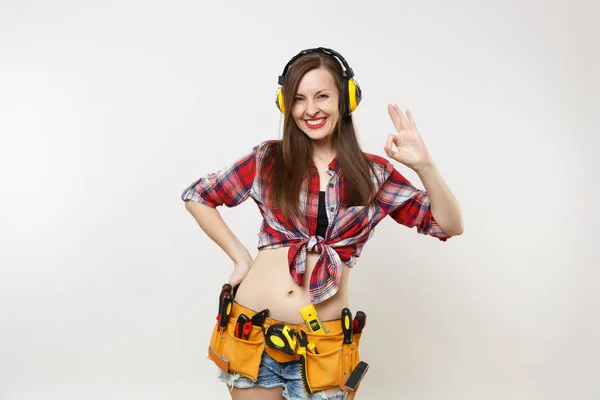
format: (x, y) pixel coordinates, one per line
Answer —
(408, 205)
(229, 186)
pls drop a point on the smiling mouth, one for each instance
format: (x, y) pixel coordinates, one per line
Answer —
(315, 123)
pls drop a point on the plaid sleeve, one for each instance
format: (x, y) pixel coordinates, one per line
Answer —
(229, 186)
(408, 205)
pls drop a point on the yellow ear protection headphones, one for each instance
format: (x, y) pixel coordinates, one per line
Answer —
(350, 89)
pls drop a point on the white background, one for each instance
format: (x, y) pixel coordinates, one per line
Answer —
(109, 109)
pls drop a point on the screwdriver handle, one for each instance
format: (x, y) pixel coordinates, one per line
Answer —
(347, 325)
(225, 310)
(226, 288)
(360, 321)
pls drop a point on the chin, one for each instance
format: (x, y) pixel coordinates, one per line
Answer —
(317, 136)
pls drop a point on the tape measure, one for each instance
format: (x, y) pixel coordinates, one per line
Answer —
(281, 337)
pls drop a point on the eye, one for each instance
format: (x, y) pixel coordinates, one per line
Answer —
(323, 96)
(297, 99)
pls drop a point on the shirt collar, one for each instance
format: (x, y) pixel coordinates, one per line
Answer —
(334, 165)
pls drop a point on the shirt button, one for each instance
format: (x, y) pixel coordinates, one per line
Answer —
(332, 209)
(331, 185)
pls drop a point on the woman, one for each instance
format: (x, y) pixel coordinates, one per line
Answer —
(320, 197)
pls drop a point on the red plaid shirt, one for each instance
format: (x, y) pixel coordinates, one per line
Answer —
(349, 227)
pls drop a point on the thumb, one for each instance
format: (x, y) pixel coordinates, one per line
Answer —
(236, 277)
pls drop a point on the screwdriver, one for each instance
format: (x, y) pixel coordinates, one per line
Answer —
(347, 325)
(359, 323)
(225, 310)
(226, 288)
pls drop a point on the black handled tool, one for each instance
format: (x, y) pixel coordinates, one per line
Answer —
(356, 376)
(226, 288)
(259, 318)
(360, 321)
(225, 310)
(243, 327)
(347, 325)
(302, 348)
(303, 342)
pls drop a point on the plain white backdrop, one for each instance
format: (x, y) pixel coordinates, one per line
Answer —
(109, 109)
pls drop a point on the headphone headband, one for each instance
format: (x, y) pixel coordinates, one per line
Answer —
(348, 73)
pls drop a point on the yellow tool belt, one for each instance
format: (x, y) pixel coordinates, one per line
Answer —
(328, 368)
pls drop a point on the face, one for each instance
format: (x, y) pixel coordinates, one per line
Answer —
(315, 107)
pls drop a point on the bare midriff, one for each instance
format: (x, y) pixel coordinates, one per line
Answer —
(269, 284)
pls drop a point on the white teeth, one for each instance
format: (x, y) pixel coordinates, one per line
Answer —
(316, 121)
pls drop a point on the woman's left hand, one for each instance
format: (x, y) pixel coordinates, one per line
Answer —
(410, 148)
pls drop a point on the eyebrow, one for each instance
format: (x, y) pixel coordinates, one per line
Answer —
(316, 94)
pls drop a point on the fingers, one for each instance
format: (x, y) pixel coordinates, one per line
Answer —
(411, 120)
(391, 140)
(395, 118)
(236, 277)
(403, 119)
(399, 119)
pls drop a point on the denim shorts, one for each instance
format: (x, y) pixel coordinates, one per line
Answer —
(287, 375)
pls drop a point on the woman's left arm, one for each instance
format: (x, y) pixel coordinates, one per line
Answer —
(412, 152)
(444, 207)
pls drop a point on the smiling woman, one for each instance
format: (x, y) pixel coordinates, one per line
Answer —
(315, 108)
(285, 329)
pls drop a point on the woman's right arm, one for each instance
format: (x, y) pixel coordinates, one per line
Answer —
(214, 226)
(229, 186)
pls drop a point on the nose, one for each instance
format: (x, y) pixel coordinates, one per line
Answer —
(311, 108)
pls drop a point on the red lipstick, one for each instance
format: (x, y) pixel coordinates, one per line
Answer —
(322, 124)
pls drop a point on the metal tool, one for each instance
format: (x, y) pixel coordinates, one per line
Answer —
(303, 341)
(259, 318)
(356, 376)
(243, 327)
(281, 337)
(347, 325)
(302, 348)
(359, 323)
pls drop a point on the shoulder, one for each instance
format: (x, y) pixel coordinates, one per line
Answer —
(265, 147)
(380, 165)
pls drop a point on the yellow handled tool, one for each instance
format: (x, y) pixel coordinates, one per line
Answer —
(312, 320)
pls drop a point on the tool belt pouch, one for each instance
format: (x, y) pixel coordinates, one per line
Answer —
(235, 355)
(334, 363)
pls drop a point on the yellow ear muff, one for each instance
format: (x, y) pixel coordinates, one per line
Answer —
(352, 95)
(279, 101)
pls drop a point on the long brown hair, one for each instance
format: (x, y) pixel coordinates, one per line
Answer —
(289, 160)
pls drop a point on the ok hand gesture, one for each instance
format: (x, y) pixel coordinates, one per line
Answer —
(410, 148)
